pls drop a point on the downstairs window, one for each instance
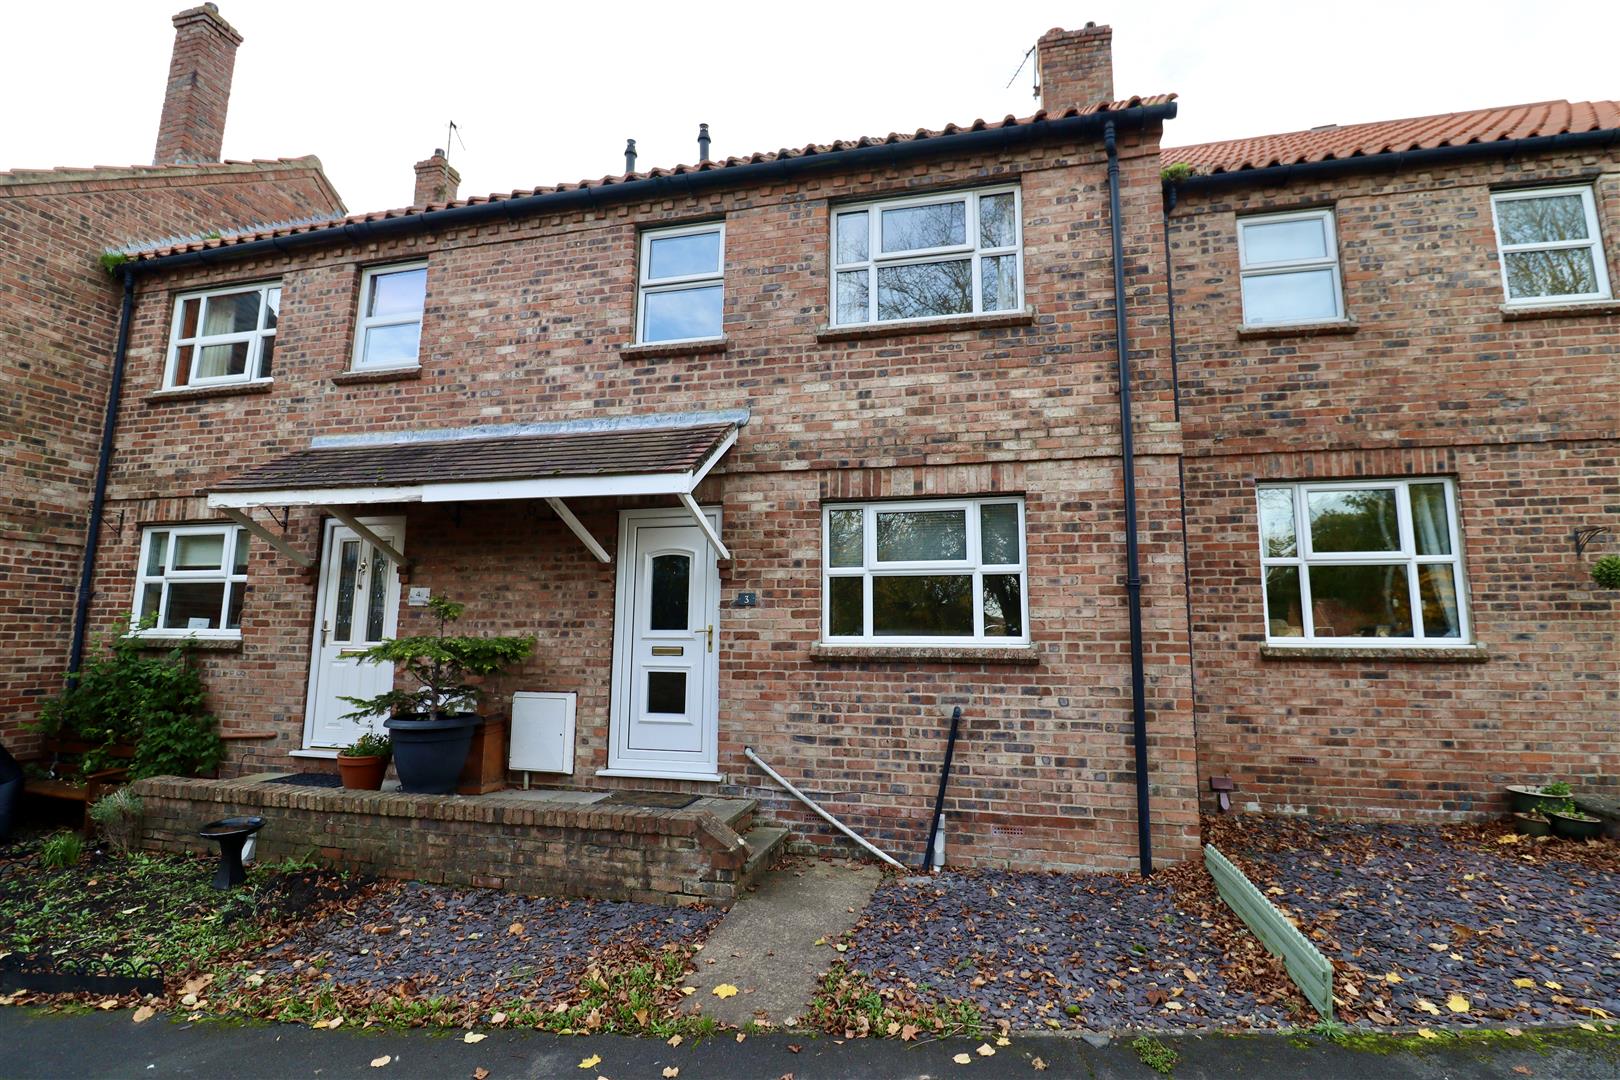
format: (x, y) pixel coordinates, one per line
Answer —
(192, 580)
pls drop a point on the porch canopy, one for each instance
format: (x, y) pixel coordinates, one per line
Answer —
(648, 455)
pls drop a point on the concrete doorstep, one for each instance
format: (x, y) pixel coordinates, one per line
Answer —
(766, 945)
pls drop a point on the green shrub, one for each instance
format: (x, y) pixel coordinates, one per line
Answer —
(1606, 572)
(61, 850)
(134, 697)
(1177, 172)
(118, 816)
(1557, 789)
(371, 744)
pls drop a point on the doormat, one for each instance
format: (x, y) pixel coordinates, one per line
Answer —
(310, 779)
(658, 800)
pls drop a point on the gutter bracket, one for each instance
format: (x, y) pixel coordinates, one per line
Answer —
(349, 520)
(560, 508)
(703, 523)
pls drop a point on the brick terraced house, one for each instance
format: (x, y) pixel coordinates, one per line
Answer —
(59, 311)
(785, 457)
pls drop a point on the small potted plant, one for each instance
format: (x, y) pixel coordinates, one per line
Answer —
(364, 762)
(432, 723)
(1529, 798)
(1532, 823)
(1570, 822)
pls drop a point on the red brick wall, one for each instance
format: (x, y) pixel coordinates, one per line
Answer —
(1435, 380)
(58, 324)
(524, 323)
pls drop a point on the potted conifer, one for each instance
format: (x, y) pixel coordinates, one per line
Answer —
(431, 724)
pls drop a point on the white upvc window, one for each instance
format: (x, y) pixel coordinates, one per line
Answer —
(1353, 562)
(1289, 266)
(222, 336)
(680, 293)
(191, 581)
(925, 572)
(1549, 245)
(927, 257)
(389, 333)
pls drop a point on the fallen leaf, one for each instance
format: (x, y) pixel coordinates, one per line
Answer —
(741, 1036)
(986, 1050)
(1522, 1070)
(1425, 1005)
(671, 1071)
(725, 990)
(480, 1073)
(473, 1037)
(591, 1062)
(1586, 1026)
(1436, 946)
(1553, 985)
(689, 990)
(1391, 977)
(515, 929)
(1457, 1003)
(674, 1040)
(143, 1014)
(334, 1023)
(963, 1059)
(1427, 1034)
(500, 1018)
(1003, 1041)
(1509, 838)
(1524, 984)
(379, 1062)
(110, 1003)
(841, 947)
(794, 1048)
(1040, 1066)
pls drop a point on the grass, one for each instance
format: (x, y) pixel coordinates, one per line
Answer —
(1155, 1055)
(847, 1004)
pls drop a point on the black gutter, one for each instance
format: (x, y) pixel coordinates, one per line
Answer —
(987, 140)
(1133, 559)
(1277, 175)
(98, 501)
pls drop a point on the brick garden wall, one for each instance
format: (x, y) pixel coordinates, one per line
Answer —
(58, 325)
(1435, 380)
(525, 321)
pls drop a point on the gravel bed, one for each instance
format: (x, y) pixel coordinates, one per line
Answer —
(1099, 951)
(1448, 911)
(479, 942)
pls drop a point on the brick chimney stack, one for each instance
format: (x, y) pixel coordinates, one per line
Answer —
(193, 124)
(1076, 67)
(436, 181)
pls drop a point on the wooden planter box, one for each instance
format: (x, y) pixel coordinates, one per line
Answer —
(485, 770)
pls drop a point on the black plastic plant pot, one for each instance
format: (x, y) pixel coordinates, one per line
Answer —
(430, 751)
(10, 790)
(1529, 799)
(1577, 828)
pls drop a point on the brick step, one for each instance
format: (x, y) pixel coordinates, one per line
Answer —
(764, 843)
(736, 813)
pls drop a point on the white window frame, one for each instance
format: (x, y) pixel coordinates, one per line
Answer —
(255, 337)
(363, 323)
(1304, 558)
(1247, 269)
(684, 283)
(1593, 243)
(234, 535)
(876, 259)
(870, 566)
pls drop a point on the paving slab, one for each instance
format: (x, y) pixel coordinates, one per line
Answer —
(766, 945)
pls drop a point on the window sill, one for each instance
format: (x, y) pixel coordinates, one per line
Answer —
(927, 654)
(1458, 654)
(377, 375)
(182, 641)
(1312, 329)
(190, 393)
(1572, 310)
(654, 349)
(952, 325)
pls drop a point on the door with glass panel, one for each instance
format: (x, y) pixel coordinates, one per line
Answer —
(666, 704)
(357, 607)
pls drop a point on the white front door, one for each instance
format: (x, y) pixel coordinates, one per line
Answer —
(666, 703)
(356, 606)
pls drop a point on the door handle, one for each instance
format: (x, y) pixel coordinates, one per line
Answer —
(709, 633)
(325, 631)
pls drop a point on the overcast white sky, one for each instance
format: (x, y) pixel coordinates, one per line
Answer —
(547, 92)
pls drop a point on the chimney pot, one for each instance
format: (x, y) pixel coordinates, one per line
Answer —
(629, 155)
(703, 143)
(199, 89)
(436, 181)
(1075, 68)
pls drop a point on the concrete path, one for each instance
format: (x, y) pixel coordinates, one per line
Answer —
(766, 945)
(36, 1044)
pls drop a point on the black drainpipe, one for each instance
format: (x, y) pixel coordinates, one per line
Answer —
(98, 501)
(1133, 560)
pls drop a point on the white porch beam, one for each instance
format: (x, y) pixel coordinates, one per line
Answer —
(703, 523)
(280, 543)
(348, 519)
(579, 530)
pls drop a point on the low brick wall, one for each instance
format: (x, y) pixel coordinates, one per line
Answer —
(492, 841)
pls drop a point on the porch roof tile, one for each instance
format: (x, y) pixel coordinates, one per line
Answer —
(518, 457)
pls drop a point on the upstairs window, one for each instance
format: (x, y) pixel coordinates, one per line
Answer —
(223, 336)
(1548, 243)
(192, 580)
(929, 257)
(681, 290)
(390, 330)
(1289, 265)
(1346, 562)
(916, 572)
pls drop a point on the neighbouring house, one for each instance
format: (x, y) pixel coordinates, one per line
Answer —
(59, 311)
(1398, 350)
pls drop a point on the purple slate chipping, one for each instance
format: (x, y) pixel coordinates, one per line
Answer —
(519, 457)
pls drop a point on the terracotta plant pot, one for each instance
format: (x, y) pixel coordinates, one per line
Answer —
(362, 773)
(1584, 827)
(1525, 825)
